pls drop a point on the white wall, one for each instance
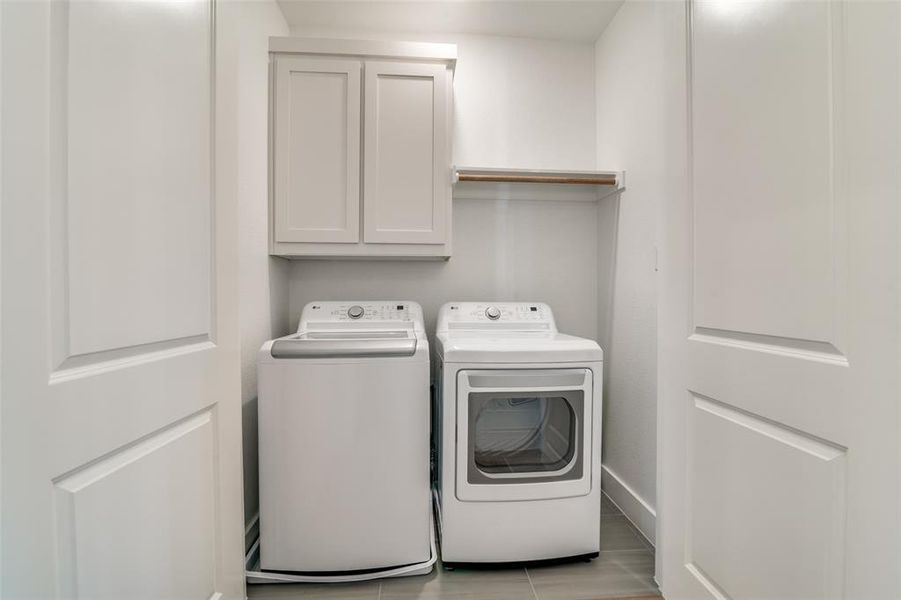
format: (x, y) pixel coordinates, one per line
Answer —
(538, 251)
(518, 103)
(630, 129)
(262, 280)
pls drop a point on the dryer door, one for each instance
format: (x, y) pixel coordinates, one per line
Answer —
(523, 434)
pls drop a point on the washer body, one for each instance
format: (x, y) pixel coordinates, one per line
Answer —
(343, 440)
(517, 426)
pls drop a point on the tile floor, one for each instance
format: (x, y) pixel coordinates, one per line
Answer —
(625, 569)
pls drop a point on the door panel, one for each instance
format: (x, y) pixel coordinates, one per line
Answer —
(763, 477)
(133, 215)
(779, 316)
(317, 150)
(406, 169)
(121, 472)
(768, 223)
(105, 509)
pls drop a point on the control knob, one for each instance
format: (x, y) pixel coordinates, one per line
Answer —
(355, 312)
(493, 313)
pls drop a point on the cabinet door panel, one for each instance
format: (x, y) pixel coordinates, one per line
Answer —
(317, 150)
(406, 171)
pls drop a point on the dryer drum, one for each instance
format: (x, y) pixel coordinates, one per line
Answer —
(523, 434)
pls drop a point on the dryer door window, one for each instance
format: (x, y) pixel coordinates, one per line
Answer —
(518, 437)
(524, 434)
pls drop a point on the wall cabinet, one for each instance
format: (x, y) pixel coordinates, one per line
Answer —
(361, 151)
(317, 151)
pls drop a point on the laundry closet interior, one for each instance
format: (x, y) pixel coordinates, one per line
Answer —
(497, 299)
(455, 158)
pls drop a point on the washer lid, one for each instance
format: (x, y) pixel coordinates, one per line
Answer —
(345, 344)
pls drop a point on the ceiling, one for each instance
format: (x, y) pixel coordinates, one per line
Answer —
(579, 20)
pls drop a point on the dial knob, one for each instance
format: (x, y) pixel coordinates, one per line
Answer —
(355, 312)
(493, 313)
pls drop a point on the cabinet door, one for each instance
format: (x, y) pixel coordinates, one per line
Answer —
(406, 169)
(317, 150)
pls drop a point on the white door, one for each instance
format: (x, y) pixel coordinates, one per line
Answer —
(406, 169)
(121, 445)
(317, 150)
(779, 323)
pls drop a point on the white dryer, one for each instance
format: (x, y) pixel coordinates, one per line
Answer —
(344, 440)
(518, 429)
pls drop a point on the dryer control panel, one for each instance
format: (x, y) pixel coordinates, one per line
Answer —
(501, 315)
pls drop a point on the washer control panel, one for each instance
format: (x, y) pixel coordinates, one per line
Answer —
(495, 314)
(381, 310)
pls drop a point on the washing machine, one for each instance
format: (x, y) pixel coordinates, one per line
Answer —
(517, 425)
(344, 441)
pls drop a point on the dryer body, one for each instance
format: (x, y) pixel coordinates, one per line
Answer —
(519, 435)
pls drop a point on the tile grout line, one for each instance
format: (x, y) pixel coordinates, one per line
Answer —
(531, 585)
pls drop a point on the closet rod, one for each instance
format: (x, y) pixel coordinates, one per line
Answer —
(597, 180)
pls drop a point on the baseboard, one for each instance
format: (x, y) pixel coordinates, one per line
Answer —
(251, 531)
(636, 509)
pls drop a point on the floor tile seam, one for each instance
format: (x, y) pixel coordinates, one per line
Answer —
(531, 585)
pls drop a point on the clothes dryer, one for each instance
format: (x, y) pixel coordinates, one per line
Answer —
(517, 424)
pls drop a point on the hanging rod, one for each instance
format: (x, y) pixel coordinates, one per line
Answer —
(483, 175)
(601, 180)
(483, 183)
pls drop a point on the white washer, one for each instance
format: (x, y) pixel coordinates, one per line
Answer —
(518, 430)
(344, 440)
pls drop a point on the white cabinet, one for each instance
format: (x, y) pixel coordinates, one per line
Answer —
(406, 165)
(317, 151)
(361, 150)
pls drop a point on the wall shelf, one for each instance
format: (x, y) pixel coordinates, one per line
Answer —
(473, 183)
